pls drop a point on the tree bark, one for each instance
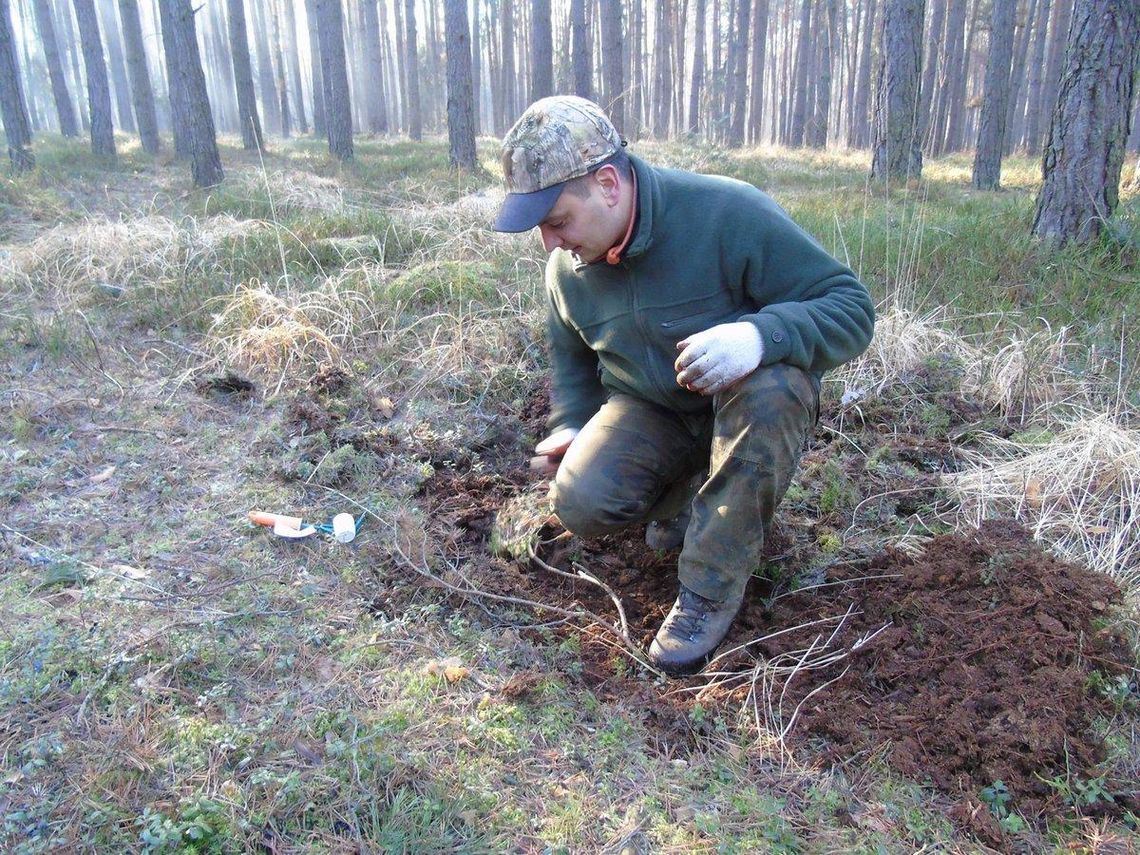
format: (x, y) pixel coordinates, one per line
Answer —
(294, 62)
(460, 115)
(950, 68)
(1017, 74)
(696, 83)
(1033, 96)
(818, 137)
(612, 71)
(930, 67)
(1080, 189)
(756, 90)
(248, 118)
(859, 132)
(1058, 35)
(64, 109)
(995, 102)
(334, 71)
(411, 63)
(580, 49)
(121, 89)
(898, 152)
(374, 63)
(279, 68)
(800, 78)
(13, 107)
(186, 76)
(98, 88)
(541, 50)
(179, 109)
(661, 83)
(319, 87)
(141, 92)
(958, 70)
(738, 74)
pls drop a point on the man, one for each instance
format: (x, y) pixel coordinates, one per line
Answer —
(690, 321)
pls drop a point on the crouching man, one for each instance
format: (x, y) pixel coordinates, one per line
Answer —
(690, 321)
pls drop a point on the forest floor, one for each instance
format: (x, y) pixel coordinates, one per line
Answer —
(940, 652)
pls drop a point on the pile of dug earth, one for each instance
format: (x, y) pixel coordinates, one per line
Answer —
(980, 659)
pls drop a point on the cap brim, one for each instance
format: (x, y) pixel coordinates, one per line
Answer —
(521, 212)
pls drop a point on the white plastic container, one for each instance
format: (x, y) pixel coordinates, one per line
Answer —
(344, 528)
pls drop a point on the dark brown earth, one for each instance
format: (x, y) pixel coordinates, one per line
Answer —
(975, 660)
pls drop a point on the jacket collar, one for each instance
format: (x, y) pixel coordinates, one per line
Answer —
(648, 200)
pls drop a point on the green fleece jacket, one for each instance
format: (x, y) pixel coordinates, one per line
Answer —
(705, 250)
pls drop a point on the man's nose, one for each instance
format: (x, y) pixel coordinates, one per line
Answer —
(550, 240)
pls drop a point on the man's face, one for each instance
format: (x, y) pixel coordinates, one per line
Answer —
(583, 220)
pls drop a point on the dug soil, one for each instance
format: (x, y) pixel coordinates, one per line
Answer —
(978, 659)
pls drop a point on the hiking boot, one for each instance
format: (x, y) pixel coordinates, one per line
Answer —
(668, 534)
(692, 630)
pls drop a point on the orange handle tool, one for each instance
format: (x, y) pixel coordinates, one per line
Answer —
(268, 519)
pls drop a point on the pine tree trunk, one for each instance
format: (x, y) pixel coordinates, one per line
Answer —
(995, 102)
(319, 86)
(1036, 75)
(949, 62)
(334, 72)
(930, 67)
(70, 43)
(680, 13)
(1085, 153)
(541, 50)
(801, 76)
(661, 72)
(142, 94)
(756, 89)
(460, 116)
(120, 89)
(738, 73)
(98, 88)
(897, 153)
(250, 122)
(1016, 75)
(374, 63)
(184, 66)
(270, 103)
(13, 107)
(818, 137)
(580, 48)
(179, 110)
(858, 133)
(1058, 36)
(64, 109)
(698, 78)
(958, 72)
(612, 70)
(279, 67)
(411, 63)
(294, 62)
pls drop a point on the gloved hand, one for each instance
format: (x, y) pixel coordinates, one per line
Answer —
(549, 452)
(718, 357)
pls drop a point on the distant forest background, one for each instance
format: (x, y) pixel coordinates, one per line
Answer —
(958, 74)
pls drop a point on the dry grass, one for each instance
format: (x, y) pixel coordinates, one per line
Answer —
(288, 192)
(71, 261)
(1079, 491)
(1026, 375)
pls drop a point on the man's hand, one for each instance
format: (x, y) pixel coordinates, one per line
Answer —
(718, 357)
(549, 452)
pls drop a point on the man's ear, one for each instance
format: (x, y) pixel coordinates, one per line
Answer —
(609, 180)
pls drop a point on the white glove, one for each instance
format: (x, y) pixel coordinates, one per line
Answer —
(718, 357)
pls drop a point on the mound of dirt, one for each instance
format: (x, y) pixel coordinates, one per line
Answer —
(975, 662)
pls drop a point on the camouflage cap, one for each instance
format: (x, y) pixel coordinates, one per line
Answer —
(556, 140)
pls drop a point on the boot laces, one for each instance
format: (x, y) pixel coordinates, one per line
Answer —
(692, 612)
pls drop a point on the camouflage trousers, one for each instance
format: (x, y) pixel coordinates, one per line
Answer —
(635, 461)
